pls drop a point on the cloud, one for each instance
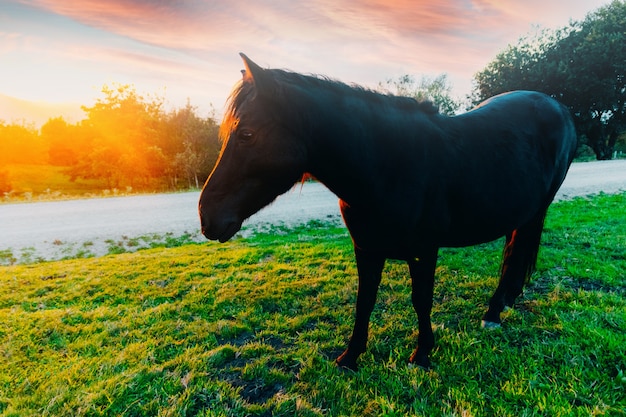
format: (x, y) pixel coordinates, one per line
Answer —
(201, 27)
(191, 45)
(163, 23)
(10, 41)
(541, 12)
(197, 24)
(422, 18)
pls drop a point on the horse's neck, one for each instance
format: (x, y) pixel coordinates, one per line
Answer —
(354, 148)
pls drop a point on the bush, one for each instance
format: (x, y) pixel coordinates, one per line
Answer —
(5, 183)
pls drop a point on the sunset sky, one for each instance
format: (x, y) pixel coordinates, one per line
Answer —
(64, 51)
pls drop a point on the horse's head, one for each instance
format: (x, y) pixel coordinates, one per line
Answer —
(262, 155)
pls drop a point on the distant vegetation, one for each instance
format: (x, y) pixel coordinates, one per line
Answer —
(434, 89)
(127, 142)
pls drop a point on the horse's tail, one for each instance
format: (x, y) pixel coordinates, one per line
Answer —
(518, 264)
(520, 256)
(530, 238)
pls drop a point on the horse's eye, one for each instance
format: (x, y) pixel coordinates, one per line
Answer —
(245, 134)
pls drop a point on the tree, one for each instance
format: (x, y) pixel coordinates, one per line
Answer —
(121, 131)
(61, 140)
(5, 182)
(128, 140)
(583, 65)
(21, 144)
(189, 163)
(194, 145)
(437, 90)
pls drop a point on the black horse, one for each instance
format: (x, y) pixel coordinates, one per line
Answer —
(409, 179)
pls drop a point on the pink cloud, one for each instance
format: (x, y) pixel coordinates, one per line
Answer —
(162, 23)
(430, 18)
(363, 41)
(541, 12)
(209, 25)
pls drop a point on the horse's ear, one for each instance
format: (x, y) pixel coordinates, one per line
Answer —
(257, 75)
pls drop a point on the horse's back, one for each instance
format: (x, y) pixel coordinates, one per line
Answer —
(537, 127)
(535, 116)
(500, 165)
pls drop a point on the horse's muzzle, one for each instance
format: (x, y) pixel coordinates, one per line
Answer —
(219, 229)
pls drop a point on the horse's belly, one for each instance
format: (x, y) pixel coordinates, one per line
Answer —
(469, 225)
(458, 240)
(400, 241)
(405, 231)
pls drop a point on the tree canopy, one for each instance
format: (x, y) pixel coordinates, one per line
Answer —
(583, 65)
(125, 141)
(437, 90)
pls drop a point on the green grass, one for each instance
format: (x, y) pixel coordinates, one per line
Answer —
(252, 327)
(46, 182)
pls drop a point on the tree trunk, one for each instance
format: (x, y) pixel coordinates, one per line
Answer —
(602, 147)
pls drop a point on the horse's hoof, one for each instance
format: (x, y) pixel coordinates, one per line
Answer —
(346, 362)
(347, 369)
(420, 361)
(489, 324)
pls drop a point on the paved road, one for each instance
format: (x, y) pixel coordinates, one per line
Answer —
(53, 230)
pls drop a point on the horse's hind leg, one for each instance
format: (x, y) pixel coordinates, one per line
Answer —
(519, 260)
(423, 279)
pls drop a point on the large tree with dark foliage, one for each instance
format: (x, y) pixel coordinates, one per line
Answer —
(582, 65)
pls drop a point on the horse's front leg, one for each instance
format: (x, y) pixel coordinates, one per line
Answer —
(423, 280)
(370, 267)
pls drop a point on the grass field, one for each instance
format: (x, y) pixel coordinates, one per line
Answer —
(252, 327)
(47, 182)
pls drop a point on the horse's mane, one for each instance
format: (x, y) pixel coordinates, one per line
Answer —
(240, 93)
(315, 82)
(244, 91)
